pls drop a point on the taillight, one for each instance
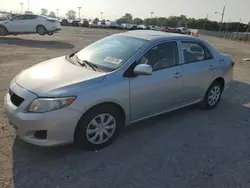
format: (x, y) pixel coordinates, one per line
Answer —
(53, 21)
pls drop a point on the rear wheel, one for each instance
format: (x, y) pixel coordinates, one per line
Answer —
(213, 95)
(3, 31)
(98, 128)
(41, 30)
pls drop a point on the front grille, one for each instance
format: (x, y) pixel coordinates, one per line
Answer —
(15, 99)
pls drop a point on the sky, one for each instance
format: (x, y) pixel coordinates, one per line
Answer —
(114, 9)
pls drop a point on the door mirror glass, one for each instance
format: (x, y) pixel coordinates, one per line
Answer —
(143, 69)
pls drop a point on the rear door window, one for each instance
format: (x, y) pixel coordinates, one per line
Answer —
(30, 17)
(195, 51)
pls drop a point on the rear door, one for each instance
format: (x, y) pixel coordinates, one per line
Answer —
(30, 23)
(199, 68)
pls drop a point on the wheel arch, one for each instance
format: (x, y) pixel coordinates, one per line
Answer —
(1, 25)
(41, 25)
(220, 80)
(118, 106)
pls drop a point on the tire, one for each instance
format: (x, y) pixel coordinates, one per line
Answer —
(89, 128)
(212, 96)
(41, 30)
(51, 33)
(3, 31)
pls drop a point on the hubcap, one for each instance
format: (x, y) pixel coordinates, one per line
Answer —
(214, 95)
(101, 129)
(41, 30)
(2, 31)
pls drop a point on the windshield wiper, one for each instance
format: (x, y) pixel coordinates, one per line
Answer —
(83, 62)
(90, 64)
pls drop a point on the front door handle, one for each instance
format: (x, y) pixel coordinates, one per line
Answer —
(211, 66)
(178, 75)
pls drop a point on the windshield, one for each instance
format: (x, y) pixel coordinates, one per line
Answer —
(111, 52)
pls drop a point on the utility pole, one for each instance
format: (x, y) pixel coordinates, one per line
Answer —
(151, 14)
(205, 22)
(222, 16)
(28, 1)
(21, 7)
(101, 15)
(79, 13)
(57, 13)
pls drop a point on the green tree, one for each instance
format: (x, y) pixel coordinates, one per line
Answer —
(137, 21)
(127, 18)
(44, 12)
(52, 15)
(71, 14)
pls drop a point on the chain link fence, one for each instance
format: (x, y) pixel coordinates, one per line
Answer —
(242, 36)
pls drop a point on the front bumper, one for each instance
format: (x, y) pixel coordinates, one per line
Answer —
(59, 124)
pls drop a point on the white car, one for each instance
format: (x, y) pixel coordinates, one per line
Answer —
(103, 24)
(29, 23)
(94, 24)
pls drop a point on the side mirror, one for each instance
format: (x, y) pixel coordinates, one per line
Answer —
(143, 69)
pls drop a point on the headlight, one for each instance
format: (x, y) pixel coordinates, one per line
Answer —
(48, 104)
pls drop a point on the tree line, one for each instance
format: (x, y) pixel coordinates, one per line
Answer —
(171, 21)
(183, 21)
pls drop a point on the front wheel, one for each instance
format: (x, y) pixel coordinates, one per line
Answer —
(3, 31)
(98, 128)
(212, 96)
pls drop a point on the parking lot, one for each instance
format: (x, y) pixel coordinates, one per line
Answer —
(186, 148)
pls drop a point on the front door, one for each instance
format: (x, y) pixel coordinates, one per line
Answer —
(152, 94)
(15, 24)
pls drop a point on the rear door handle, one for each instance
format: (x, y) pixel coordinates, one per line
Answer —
(211, 66)
(178, 75)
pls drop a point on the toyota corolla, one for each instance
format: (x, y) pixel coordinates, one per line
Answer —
(87, 97)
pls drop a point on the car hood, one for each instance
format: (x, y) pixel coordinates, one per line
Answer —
(57, 77)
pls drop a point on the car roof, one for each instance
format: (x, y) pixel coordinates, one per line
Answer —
(155, 35)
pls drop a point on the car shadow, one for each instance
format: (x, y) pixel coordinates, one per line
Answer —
(185, 148)
(36, 43)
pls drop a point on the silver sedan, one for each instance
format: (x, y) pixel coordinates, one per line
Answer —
(88, 97)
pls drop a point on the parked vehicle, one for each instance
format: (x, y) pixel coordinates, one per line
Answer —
(3, 17)
(29, 23)
(113, 25)
(141, 27)
(94, 24)
(87, 97)
(75, 23)
(64, 22)
(85, 23)
(134, 27)
(152, 27)
(103, 24)
(121, 26)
